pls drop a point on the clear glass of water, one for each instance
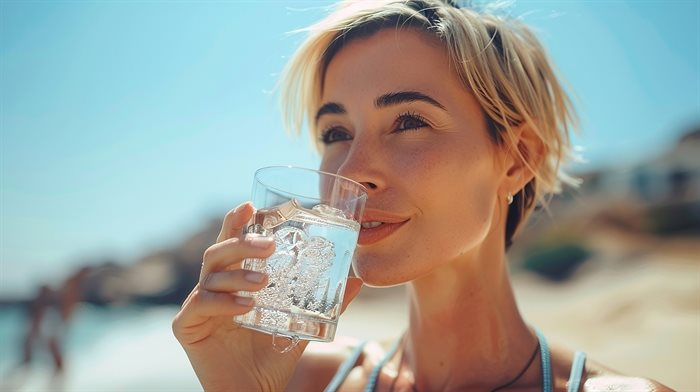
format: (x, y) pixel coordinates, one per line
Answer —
(315, 219)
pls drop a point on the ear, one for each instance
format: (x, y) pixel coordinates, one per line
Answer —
(524, 152)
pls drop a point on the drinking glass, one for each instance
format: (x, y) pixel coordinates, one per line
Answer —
(315, 219)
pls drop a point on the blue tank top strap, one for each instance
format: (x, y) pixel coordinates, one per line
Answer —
(577, 371)
(544, 354)
(372, 381)
(345, 368)
(546, 362)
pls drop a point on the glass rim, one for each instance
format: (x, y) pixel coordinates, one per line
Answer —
(362, 188)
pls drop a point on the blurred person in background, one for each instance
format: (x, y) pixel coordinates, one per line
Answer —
(44, 328)
(456, 124)
(49, 316)
(43, 333)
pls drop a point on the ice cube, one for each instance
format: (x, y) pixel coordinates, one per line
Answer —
(335, 216)
(280, 260)
(290, 239)
(318, 254)
(326, 210)
(268, 218)
(318, 243)
(318, 251)
(319, 259)
(313, 260)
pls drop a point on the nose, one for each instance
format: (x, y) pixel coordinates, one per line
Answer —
(362, 165)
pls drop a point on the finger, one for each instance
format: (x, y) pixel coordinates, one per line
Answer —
(235, 220)
(230, 253)
(202, 305)
(236, 280)
(352, 289)
(209, 303)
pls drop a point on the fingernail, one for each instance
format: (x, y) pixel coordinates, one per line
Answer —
(245, 301)
(241, 206)
(254, 277)
(259, 242)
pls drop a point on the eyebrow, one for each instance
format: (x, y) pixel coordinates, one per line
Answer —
(385, 100)
(330, 108)
(400, 97)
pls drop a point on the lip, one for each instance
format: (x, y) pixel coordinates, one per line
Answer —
(391, 223)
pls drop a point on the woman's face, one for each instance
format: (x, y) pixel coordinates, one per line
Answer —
(395, 117)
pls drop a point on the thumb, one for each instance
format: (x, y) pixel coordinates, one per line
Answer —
(352, 289)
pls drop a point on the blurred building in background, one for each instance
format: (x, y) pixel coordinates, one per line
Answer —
(672, 176)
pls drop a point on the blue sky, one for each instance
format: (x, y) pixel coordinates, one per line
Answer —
(125, 125)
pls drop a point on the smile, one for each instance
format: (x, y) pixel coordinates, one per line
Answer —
(376, 229)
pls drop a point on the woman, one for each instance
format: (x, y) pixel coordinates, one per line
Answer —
(456, 125)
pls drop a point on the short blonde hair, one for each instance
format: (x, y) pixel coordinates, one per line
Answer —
(499, 60)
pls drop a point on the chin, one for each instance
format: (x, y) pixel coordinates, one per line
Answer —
(380, 273)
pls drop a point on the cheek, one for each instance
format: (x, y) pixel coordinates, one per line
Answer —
(461, 200)
(452, 190)
(330, 163)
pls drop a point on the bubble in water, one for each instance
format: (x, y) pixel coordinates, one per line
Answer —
(274, 319)
(255, 264)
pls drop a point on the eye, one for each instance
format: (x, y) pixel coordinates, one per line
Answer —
(334, 134)
(409, 121)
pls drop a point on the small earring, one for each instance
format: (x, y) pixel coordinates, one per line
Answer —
(509, 198)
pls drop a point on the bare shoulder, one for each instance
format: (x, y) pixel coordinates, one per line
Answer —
(622, 383)
(598, 377)
(601, 378)
(319, 363)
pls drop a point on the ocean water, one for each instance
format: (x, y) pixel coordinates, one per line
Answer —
(105, 349)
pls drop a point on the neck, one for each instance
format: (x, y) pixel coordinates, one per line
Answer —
(465, 328)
